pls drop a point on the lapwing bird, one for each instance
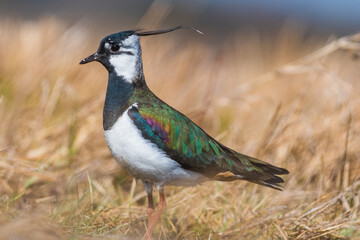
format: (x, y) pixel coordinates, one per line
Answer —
(156, 143)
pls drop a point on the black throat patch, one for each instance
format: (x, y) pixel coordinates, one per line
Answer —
(116, 101)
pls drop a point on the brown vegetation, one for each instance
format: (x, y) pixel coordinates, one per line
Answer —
(59, 181)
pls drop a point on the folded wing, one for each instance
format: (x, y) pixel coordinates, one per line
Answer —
(189, 145)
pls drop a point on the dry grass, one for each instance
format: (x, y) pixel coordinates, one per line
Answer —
(59, 181)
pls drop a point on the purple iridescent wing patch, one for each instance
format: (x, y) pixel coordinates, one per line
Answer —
(158, 128)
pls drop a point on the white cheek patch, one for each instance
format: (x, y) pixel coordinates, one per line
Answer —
(124, 65)
(127, 65)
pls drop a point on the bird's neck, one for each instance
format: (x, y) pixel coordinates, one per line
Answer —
(118, 94)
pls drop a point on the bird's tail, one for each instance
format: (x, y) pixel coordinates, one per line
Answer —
(265, 174)
(254, 170)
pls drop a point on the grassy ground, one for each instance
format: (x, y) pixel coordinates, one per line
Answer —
(276, 99)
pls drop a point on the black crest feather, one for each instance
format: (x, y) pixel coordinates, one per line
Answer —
(156, 32)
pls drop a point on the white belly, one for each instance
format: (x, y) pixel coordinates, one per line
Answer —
(142, 158)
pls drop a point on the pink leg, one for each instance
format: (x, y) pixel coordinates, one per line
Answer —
(151, 208)
(161, 206)
(148, 233)
(154, 218)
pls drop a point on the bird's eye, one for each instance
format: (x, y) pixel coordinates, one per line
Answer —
(115, 47)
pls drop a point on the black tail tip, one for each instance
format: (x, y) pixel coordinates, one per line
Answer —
(283, 171)
(274, 181)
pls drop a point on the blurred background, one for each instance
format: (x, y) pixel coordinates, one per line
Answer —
(213, 17)
(277, 80)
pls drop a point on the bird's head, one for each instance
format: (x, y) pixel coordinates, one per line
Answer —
(120, 53)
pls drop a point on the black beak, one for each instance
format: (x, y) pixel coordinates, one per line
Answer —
(93, 57)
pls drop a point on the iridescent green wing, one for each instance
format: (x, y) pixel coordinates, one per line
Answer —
(192, 148)
(184, 141)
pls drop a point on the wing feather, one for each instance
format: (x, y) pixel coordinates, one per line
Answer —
(195, 150)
